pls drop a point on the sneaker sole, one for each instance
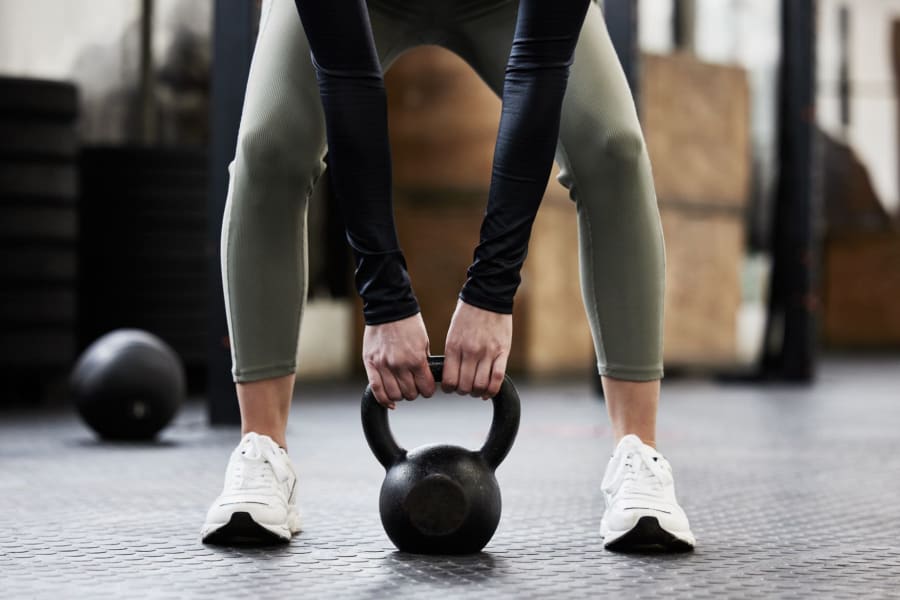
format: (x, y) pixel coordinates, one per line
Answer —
(648, 536)
(242, 530)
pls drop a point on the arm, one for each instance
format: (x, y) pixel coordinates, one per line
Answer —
(395, 344)
(359, 157)
(536, 76)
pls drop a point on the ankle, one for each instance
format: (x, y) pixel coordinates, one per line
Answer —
(277, 436)
(645, 440)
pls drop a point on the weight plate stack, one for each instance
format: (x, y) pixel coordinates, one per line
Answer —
(38, 229)
(144, 258)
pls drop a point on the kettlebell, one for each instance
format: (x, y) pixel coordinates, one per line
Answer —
(441, 499)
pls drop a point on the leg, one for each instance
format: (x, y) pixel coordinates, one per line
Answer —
(279, 157)
(632, 408)
(265, 406)
(607, 170)
(605, 165)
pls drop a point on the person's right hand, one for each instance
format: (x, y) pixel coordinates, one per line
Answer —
(396, 359)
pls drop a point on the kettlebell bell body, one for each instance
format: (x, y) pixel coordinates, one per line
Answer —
(441, 499)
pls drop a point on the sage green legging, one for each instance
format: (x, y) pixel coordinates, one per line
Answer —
(281, 145)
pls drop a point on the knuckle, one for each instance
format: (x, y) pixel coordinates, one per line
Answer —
(471, 348)
(375, 361)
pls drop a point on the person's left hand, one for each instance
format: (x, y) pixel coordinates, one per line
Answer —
(476, 351)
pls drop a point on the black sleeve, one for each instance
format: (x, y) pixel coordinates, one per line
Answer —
(359, 161)
(536, 76)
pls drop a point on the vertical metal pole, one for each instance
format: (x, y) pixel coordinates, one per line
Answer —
(844, 85)
(895, 60)
(683, 24)
(622, 22)
(148, 98)
(793, 308)
(234, 32)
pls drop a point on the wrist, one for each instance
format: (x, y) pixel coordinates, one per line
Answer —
(390, 314)
(485, 302)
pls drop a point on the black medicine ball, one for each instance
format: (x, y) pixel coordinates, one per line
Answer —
(128, 385)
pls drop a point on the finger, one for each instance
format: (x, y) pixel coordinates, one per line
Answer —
(391, 387)
(482, 378)
(498, 371)
(423, 378)
(406, 382)
(466, 374)
(450, 378)
(378, 390)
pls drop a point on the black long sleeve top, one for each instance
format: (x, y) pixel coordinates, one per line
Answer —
(359, 161)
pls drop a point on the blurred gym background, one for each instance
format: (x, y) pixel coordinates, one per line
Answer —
(772, 127)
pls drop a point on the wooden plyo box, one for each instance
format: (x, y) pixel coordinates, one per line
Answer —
(862, 290)
(704, 252)
(696, 119)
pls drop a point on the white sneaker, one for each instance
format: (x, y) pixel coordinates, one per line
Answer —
(258, 503)
(641, 510)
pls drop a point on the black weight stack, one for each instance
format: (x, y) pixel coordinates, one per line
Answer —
(38, 233)
(143, 255)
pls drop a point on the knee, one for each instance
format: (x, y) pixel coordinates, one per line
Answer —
(604, 156)
(279, 154)
(621, 146)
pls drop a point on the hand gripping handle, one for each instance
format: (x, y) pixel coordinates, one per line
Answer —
(501, 436)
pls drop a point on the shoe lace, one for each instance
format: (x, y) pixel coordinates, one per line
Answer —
(643, 472)
(260, 464)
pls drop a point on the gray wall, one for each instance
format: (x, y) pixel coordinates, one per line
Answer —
(96, 43)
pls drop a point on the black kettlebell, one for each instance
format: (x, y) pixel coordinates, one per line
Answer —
(441, 499)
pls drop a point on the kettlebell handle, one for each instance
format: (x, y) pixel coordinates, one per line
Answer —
(500, 438)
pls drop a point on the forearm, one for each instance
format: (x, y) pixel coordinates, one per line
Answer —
(359, 163)
(536, 78)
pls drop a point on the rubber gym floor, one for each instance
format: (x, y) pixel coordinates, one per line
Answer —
(792, 493)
